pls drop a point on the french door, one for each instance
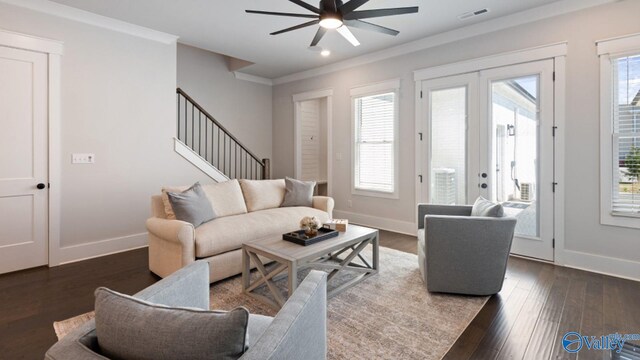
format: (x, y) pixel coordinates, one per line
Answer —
(490, 134)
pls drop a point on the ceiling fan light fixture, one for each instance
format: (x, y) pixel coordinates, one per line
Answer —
(330, 21)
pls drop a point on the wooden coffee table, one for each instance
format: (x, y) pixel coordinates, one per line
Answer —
(325, 255)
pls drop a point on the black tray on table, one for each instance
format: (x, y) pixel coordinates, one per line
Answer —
(300, 238)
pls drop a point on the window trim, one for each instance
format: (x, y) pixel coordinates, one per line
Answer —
(390, 86)
(609, 50)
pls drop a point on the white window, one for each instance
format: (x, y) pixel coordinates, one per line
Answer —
(375, 150)
(620, 131)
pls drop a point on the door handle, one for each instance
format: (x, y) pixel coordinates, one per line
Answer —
(41, 186)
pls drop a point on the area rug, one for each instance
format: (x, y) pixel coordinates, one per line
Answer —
(388, 316)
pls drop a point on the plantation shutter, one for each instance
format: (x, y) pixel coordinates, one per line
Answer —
(374, 143)
(626, 135)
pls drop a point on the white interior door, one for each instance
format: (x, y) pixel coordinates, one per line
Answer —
(23, 159)
(489, 133)
(310, 163)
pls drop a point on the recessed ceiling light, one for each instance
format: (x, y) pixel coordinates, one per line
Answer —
(325, 53)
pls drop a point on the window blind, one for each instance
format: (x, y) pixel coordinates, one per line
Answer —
(374, 142)
(626, 135)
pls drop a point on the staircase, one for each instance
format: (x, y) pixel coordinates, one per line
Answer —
(204, 142)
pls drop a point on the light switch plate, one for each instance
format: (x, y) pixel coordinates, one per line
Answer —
(83, 158)
(339, 156)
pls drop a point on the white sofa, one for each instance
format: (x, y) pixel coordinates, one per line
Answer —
(246, 210)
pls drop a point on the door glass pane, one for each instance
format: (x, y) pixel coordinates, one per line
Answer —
(448, 146)
(514, 112)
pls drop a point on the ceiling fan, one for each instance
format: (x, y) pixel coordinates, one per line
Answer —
(334, 14)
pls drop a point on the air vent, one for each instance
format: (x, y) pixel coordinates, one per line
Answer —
(471, 14)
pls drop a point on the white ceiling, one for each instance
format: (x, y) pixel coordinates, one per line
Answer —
(224, 27)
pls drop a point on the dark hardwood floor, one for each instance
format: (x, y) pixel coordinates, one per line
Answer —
(526, 320)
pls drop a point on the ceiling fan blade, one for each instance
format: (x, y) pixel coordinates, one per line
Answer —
(351, 5)
(371, 27)
(365, 14)
(312, 22)
(319, 35)
(310, 16)
(306, 6)
(346, 33)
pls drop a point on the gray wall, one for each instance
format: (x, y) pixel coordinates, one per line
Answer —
(243, 107)
(118, 101)
(581, 29)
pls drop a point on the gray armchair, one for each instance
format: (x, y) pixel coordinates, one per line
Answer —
(298, 330)
(462, 254)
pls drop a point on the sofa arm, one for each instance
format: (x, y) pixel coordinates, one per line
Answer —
(429, 209)
(187, 287)
(325, 204)
(299, 330)
(171, 245)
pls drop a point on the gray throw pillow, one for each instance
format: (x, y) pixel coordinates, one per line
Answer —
(484, 207)
(298, 193)
(130, 328)
(192, 205)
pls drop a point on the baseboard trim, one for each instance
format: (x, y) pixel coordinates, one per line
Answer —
(398, 226)
(605, 265)
(75, 253)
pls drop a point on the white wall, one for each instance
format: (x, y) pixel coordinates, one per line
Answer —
(588, 244)
(242, 107)
(118, 101)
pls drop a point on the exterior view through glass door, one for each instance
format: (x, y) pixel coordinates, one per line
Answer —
(490, 134)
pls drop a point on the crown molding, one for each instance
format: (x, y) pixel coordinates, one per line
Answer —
(253, 78)
(86, 17)
(523, 17)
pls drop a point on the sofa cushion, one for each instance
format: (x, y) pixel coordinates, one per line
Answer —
(226, 198)
(262, 194)
(484, 207)
(168, 210)
(230, 232)
(258, 324)
(298, 193)
(191, 205)
(130, 328)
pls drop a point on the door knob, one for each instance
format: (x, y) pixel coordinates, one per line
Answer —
(41, 186)
(484, 186)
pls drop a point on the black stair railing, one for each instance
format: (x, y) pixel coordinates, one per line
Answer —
(208, 138)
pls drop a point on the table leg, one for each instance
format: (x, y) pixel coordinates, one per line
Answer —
(376, 251)
(246, 269)
(293, 277)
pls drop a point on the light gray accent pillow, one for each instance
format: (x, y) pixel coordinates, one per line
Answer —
(133, 329)
(484, 207)
(192, 205)
(298, 193)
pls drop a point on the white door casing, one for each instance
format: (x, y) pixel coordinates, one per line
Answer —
(23, 159)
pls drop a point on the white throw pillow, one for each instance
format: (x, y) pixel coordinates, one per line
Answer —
(262, 194)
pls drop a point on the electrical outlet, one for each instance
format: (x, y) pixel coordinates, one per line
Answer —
(83, 158)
